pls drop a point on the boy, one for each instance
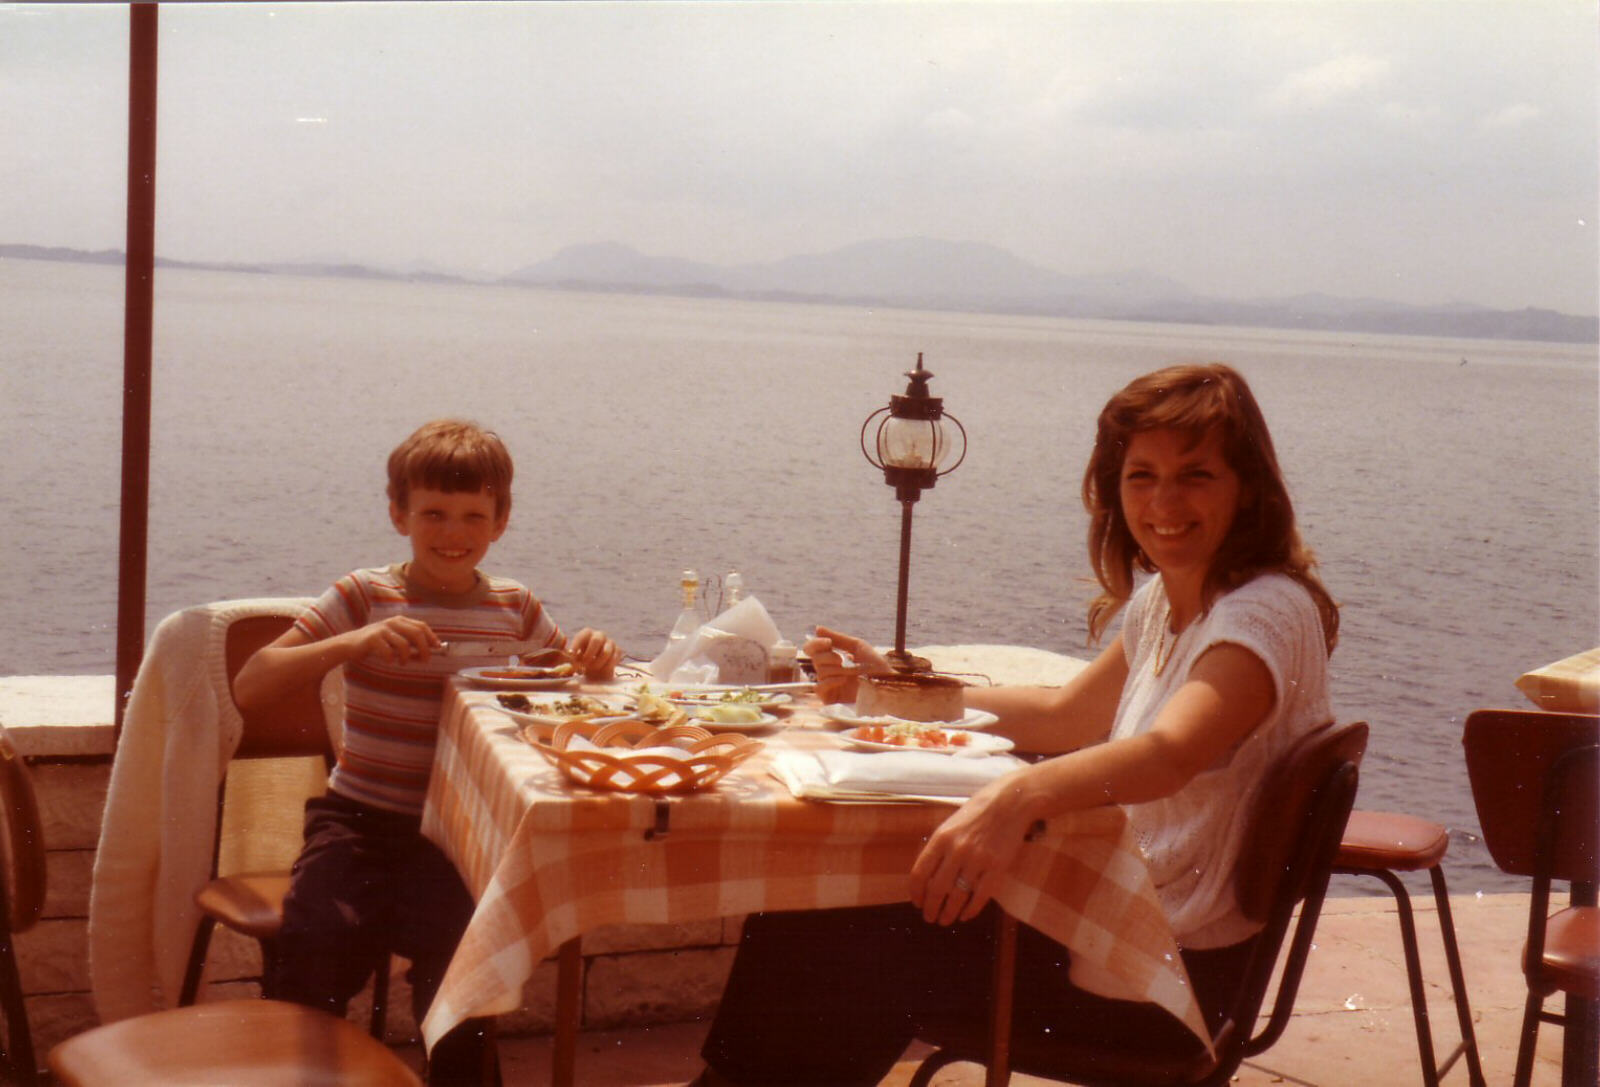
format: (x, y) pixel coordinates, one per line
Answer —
(366, 878)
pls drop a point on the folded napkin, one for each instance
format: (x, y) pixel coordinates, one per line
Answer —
(671, 754)
(731, 648)
(888, 775)
(1567, 686)
(664, 766)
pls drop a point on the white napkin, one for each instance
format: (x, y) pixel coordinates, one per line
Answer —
(732, 648)
(672, 754)
(667, 755)
(883, 775)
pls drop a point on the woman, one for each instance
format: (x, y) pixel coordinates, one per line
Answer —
(1221, 663)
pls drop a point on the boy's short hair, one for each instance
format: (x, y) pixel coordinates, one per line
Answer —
(452, 455)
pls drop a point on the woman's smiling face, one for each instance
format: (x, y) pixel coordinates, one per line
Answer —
(1179, 498)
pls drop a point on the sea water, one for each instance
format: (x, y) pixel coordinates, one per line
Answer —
(1449, 487)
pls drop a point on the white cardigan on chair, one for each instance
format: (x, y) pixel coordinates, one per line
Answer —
(178, 733)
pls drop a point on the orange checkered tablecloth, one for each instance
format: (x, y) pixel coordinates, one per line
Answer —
(548, 861)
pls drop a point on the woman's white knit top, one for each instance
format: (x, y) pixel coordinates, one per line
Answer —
(1191, 840)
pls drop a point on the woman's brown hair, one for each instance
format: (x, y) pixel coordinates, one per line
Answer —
(1197, 401)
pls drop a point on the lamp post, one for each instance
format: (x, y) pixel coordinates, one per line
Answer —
(911, 445)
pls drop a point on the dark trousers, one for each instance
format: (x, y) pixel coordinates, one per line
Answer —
(831, 998)
(367, 883)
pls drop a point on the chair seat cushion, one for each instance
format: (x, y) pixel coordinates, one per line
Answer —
(250, 903)
(1375, 840)
(243, 1043)
(1572, 951)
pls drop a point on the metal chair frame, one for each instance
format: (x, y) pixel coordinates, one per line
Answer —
(22, 889)
(1534, 782)
(1384, 871)
(1580, 1022)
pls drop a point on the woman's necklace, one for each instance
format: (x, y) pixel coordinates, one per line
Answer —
(1161, 644)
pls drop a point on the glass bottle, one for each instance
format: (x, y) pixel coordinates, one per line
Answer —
(689, 618)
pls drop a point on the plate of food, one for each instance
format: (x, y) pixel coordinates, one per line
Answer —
(522, 677)
(916, 736)
(732, 717)
(556, 711)
(841, 714)
(695, 697)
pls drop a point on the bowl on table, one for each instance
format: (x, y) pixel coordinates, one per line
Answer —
(635, 756)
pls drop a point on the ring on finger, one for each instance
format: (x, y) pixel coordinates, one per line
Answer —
(962, 884)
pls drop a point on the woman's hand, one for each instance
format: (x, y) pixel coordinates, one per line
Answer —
(396, 640)
(961, 867)
(836, 680)
(595, 654)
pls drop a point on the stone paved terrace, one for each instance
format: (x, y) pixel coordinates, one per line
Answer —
(650, 989)
(1352, 1025)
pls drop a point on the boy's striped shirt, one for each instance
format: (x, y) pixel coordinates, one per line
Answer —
(392, 710)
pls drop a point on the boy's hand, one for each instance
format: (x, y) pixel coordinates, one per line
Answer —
(594, 653)
(397, 640)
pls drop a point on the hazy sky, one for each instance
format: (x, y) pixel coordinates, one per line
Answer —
(1423, 152)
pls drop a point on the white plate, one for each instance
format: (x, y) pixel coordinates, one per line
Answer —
(765, 721)
(847, 716)
(529, 680)
(692, 697)
(547, 717)
(977, 743)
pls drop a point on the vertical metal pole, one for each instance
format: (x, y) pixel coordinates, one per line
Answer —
(1001, 1000)
(569, 1013)
(899, 657)
(138, 322)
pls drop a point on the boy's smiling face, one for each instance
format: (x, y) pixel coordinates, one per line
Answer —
(450, 534)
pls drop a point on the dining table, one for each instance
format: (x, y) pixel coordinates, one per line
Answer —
(548, 859)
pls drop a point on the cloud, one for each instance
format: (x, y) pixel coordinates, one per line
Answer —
(949, 121)
(1328, 83)
(1305, 137)
(1513, 116)
(1408, 115)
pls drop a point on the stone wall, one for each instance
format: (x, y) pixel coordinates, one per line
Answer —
(632, 974)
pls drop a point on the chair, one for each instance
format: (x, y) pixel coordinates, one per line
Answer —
(252, 902)
(1379, 844)
(235, 1041)
(1534, 782)
(1293, 836)
(21, 902)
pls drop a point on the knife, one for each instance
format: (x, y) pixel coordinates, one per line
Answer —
(537, 652)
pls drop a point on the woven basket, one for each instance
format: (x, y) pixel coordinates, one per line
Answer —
(707, 756)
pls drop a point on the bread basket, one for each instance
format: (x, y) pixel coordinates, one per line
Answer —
(619, 760)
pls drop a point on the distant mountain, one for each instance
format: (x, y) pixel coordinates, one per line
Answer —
(906, 271)
(56, 252)
(928, 273)
(613, 263)
(344, 269)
